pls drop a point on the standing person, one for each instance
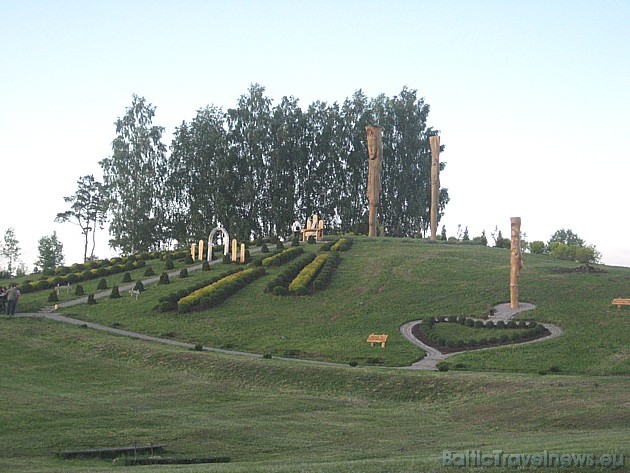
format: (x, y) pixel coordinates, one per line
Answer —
(12, 298)
(3, 298)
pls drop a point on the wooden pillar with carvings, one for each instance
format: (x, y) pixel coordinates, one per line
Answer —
(434, 141)
(375, 155)
(516, 260)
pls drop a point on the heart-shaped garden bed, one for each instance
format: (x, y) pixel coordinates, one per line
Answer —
(455, 334)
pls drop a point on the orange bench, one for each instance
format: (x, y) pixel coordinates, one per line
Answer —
(619, 302)
(373, 338)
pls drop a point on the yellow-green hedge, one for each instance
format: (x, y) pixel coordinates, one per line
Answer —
(300, 284)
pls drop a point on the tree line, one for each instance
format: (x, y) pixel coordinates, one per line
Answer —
(256, 168)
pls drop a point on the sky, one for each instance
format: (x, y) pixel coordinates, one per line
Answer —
(531, 98)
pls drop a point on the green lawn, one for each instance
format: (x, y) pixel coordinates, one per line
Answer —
(69, 387)
(382, 283)
(66, 387)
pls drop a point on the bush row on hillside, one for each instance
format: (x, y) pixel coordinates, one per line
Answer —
(283, 257)
(533, 331)
(125, 261)
(328, 271)
(343, 244)
(301, 282)
(72, 278)
(169, 302)
(215, 293)
(280, 284)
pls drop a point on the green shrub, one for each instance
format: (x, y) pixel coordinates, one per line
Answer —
(91, 300)
(183, 273)
(442, 366)
(264, 248)
(283, 257)
(279, 245)
(326, 274)
(280, 291)
(213, 294)
(127, 277)
(114, 294)
(164, 279)
(289, 272)
(102, 284)
(169, 265)
(78, 290)
(205, 266)
(227, 259)
(139, 286)
(149, 271)
(478, 324)
(300, 284)
(311, 240)
(52, 297)
(295, 241)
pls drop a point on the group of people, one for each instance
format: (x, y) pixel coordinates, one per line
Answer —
(9, 298)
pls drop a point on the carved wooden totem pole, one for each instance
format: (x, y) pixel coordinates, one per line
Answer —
(435, 182)
(516, 260)
(375, 153)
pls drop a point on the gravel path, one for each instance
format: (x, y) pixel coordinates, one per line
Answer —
(502, 312)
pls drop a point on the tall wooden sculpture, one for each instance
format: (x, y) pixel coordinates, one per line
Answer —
(516, 260)
(435, 182)
(375, 154)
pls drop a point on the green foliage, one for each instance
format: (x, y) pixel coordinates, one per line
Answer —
(295, 241)
(322, 280)
(149, 271)
(279, 245)
(169, 265)
(127, 277)
(52, 297)
(205, 266)
(115, 294)
(139, 286)
(50, 253)
(288, 273)
(311, 240)
(183, 273)
(102, 284)
(217, 292)
(283, 256)
(264, 248)
(164, 278)
(537, 247)
(78, 290)
(300, 284)
(343, 244)
(91, 300)
(10, 250)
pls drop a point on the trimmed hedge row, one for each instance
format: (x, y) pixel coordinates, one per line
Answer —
(169, 303)
(283, 257)
(533, 331)
(300, 283)
(328, 271)
(215, 293)
(72, 278)
(343, 244)
(279, 285)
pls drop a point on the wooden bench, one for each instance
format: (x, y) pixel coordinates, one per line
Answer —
(620, 301)
(373, 338)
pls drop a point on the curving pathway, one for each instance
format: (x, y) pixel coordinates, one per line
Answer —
(429, 362)
(502, 312)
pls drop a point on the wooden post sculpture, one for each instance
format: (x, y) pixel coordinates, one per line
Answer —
(234, 243)
(375, 153)
(193, 251)
(516, 260)
(435, 182)
(242, 252)
(200, 250)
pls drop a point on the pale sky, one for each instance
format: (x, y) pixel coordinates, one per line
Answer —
(531, 97)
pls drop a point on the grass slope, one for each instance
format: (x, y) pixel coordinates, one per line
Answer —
(382, 283)
(67, 387)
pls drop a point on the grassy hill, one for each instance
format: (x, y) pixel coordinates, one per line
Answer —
(68, 387)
